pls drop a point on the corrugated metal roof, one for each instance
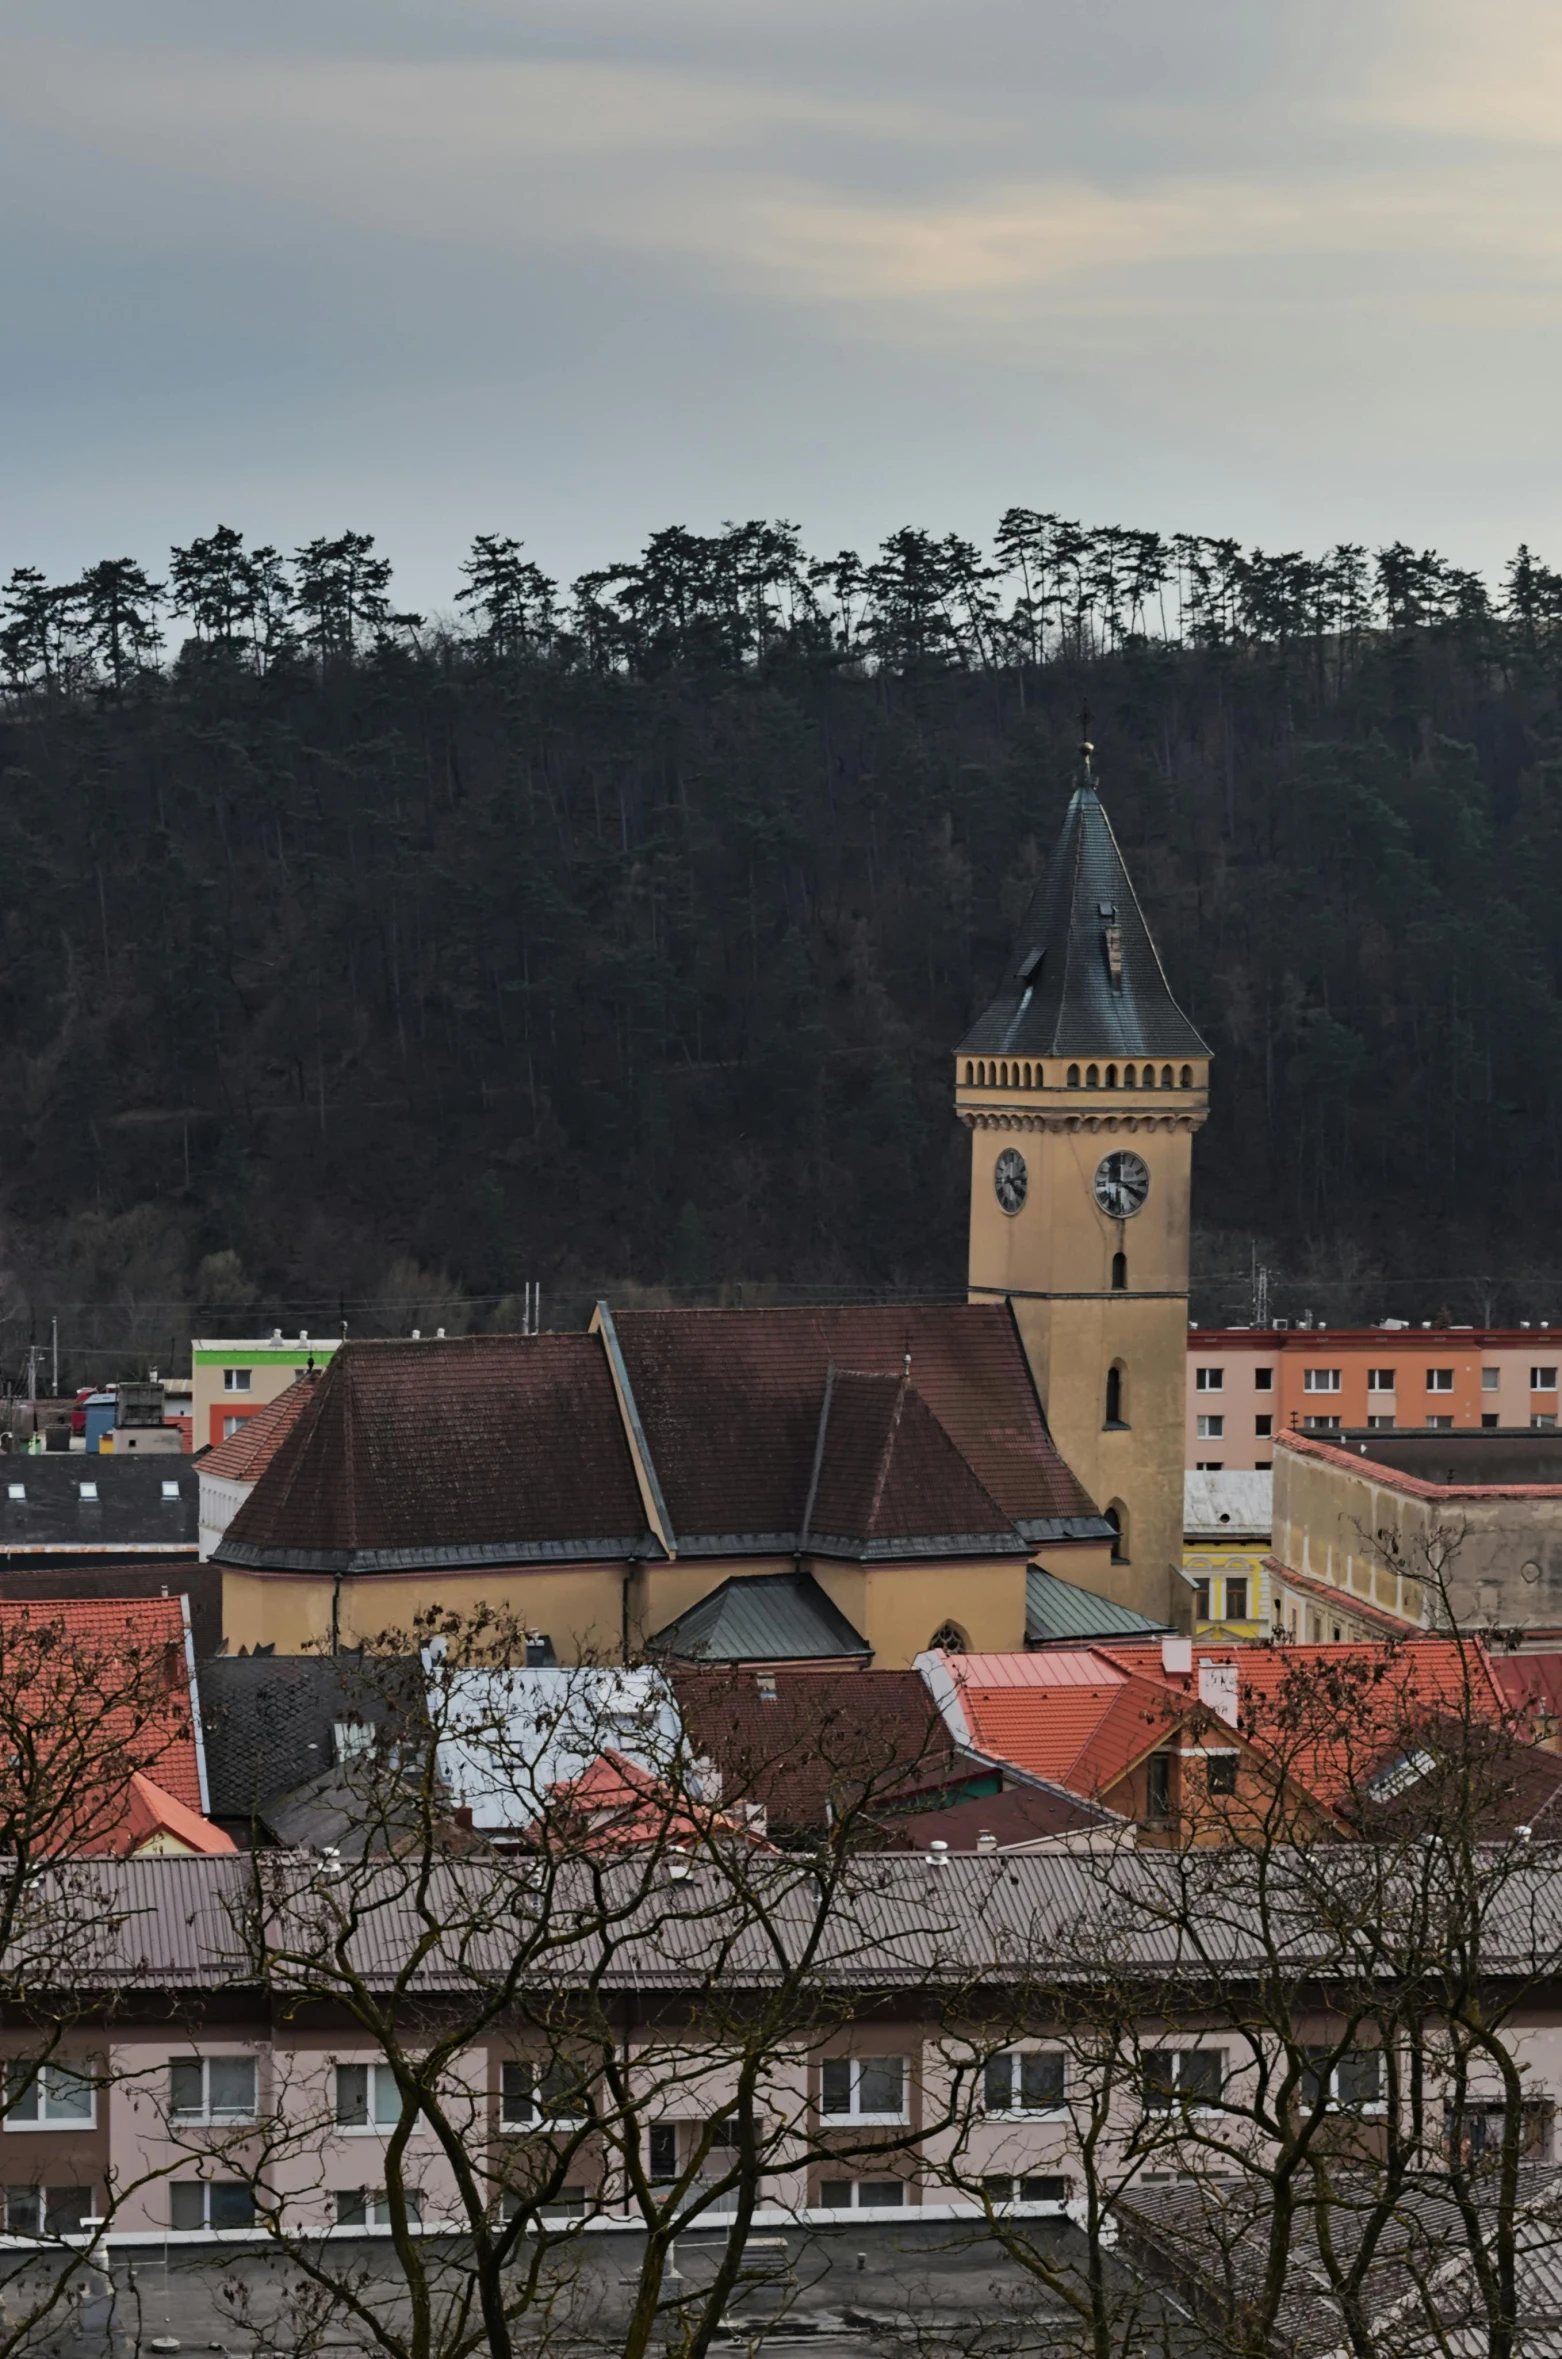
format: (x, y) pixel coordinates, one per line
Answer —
(898, 1921)
(1058, 1609)
(1068, 1004)
(776, 1618)
(508, 1737)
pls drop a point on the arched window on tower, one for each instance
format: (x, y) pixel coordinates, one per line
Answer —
(1117, 1516)
(967, 1072)
(1187, 1076)
(1111, 1077)
(1148, 1078)
(1073, 1077)
(949, 1639)
(1119, 1273)
(1116, 1395)
(1092, 1077)
(1128, 1077)
(1027, 1076)
(1166, 1077)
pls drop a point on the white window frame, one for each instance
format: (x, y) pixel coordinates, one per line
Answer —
(376, 2209)
(238, 1380)
(855, 2184)
(1374, 2107)
(16, 1490)
(1382, 1380)
(39, 2090)
(1174, 2102)
(1328, 1423)
(1018, 2182)
(206, 2117)
(1320, 1380)
(1440, 1423)
(1538, 1377)
(537, 2077)
(854, 2111)
(1050, 2111)
(380, 2076)
(1212, 1429)
(1439, 1380)
(1380, 1424)
(88, 1491)
(1491, 1380)
(1263, 1380)
(1209, 1379)
(205, 2228)
(170, 1489)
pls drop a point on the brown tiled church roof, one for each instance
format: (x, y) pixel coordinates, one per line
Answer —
(466, 1450)
(757, 1432)
(730, 1401)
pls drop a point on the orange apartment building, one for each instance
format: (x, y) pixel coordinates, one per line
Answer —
(1246, 1384)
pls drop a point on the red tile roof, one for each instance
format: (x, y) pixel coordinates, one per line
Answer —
(1334, 1712)
(254, 1441)
(475, 1449)
(1071, 1716)
(1531, 1686)
(153, 1813)
(105, 1684)
(730, 1403)
(1389, 1478)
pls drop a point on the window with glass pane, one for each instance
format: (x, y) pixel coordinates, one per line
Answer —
(231, 2204)
(367, 2097)
(562, 2093)
(211, 2088)
(1349, 2083)
(1185, 2076)
(835, 2085)
(47, 2093)
(881, 2082)
(663, 2150)
(880, 2195)
(187, 2204)
(1236, 1598)
(517, 2101)
(1029, 2082)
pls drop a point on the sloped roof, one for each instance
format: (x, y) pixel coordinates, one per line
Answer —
(1074, 1717)
(72, 1503)
(887, 1477)
(254, 1441)
(1016, 1819)
(1059, 1611)
(763, 1618)
(1225, 1505)
(461, 1450)
(730, 1404)
(1332, 1713)
(821, 1741)
(122, 1661)
(152, 1812)
(1065, 1001)
(269, 1719)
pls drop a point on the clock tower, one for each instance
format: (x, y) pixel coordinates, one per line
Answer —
(1082, 1086)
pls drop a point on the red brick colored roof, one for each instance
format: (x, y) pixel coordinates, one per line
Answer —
(1531, 1685)
(1343, 1601)
(1333, 1711)
(1019, 1816)
(475, 1449)
(106, 1681)
(152, 1812)
(1073, 1717)
(827, 1739)
(730, 1403)
(254, 1441)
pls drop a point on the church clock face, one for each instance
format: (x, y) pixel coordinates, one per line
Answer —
(1010, 1179)
(1122, 1183)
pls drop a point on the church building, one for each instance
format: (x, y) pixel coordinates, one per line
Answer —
(828, 1485)
(1082, 1086)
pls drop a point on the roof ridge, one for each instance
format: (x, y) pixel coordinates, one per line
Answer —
(887, 1451)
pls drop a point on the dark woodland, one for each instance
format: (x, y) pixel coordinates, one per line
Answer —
(356, 964)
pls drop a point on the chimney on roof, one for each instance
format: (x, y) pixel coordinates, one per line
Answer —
(986, 1840)
(1177, 1657)
(938, 1852)
(1218, 1690)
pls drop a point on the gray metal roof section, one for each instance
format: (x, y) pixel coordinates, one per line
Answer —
(1058, 1611)
(1085, 979)
(897, 1920)
(508, 1736)
(273, 1723)
(785, 1618)
(75, 1503)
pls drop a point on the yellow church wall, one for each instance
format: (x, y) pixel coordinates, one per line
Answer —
(580, 1607)
(898, 1608)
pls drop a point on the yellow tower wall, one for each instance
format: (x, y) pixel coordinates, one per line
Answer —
(1053, 1260)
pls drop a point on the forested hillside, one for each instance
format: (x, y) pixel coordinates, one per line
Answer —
(355, 962)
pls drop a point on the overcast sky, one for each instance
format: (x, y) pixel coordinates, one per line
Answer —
(574, 269)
